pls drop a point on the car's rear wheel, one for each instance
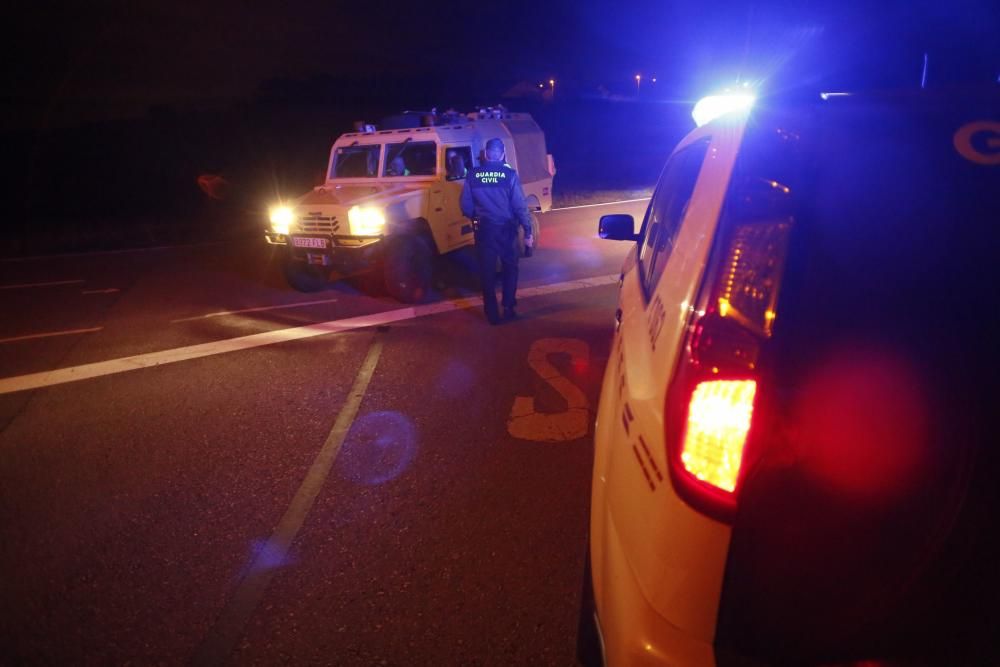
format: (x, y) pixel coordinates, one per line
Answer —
(407, 267)
(588, 640)
(305, 277)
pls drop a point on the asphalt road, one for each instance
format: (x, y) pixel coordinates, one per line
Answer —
(200, 465)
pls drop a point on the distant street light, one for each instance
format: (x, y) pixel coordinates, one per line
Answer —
(638, 81)
(552, 83)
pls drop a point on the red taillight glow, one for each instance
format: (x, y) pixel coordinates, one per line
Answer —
(709, 404)
(717, 425)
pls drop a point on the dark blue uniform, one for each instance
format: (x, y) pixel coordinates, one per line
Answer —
(493, 195)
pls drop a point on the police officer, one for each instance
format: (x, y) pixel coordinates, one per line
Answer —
(493, 199)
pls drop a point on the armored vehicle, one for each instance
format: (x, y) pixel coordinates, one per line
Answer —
(390, 201)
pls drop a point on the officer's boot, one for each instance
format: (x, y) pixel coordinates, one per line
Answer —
(492, 315)
(490, 307)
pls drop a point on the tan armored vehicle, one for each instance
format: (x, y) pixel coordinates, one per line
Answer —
(390, 202)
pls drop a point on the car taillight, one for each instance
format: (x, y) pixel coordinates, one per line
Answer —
(709, 415)
(716, 431)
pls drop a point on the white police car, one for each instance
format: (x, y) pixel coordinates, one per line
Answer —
(795, 456)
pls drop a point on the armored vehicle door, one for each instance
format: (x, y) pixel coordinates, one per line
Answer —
(444, 199)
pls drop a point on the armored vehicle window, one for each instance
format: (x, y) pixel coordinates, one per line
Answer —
(457, 161)
(355, 162)
(410, 158)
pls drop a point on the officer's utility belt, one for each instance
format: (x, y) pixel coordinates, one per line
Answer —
(488, 223)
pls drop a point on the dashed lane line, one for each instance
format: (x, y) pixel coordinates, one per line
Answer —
(53, 283)
(224, 635)
(223, 313)
(94, 253)
(162, 357)
(49, 334)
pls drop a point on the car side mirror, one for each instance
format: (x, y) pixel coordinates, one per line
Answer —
(617, 227)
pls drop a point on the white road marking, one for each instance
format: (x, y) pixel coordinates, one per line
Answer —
(258, 309)
(151, 359)
(526, 423)
(224, 635)
(109, 290)
(123, 251)
(49, 284)
(607, 203)
(49, 334)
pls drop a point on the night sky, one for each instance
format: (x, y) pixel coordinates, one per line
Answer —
(105, 60)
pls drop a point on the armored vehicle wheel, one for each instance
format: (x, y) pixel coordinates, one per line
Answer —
(303, 277)
(407, 267)
(371, 281)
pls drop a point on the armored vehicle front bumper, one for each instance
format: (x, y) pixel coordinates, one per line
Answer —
(343, 253)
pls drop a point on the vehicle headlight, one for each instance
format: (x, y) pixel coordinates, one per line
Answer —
(282, 218)
(366, 221)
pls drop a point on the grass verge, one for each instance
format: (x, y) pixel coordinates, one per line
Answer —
(563, 199)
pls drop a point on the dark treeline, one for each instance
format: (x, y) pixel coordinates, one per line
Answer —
(79, 184)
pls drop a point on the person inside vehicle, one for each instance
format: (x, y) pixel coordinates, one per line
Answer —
(397, 167)
(456, 166)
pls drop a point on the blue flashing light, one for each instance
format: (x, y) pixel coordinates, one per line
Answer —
(709, 108)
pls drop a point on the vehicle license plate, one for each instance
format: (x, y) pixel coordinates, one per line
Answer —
(309, 242)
